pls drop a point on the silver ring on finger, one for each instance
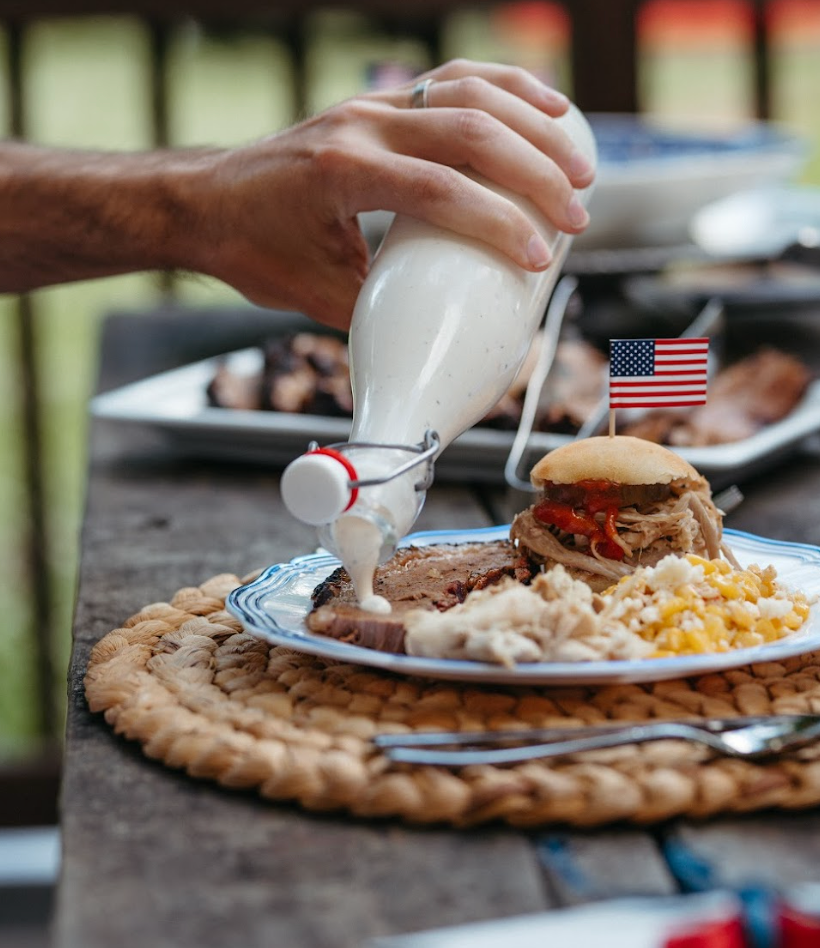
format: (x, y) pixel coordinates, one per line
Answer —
(419, 96)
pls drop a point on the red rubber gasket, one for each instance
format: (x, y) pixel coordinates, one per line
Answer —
(338, 456)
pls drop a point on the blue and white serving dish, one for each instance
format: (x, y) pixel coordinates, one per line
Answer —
(275, 605)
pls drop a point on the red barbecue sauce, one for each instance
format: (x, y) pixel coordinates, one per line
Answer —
(580, 517)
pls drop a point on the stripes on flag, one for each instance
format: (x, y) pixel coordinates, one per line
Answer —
(657, 373)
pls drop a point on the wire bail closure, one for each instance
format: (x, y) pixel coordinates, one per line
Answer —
(702, 325)
(556, 311)
(425, 451)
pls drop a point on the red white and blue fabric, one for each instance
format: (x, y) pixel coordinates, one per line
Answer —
(657, 373)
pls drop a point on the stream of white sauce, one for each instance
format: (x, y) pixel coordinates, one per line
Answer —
(358, 542)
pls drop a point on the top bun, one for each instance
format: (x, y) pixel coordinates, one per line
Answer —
(620, 459)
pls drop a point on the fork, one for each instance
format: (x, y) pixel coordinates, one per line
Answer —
(751, 738)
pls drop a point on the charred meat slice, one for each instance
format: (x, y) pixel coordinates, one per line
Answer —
(431, 577)
(229, 389)
(743, 398)
(308, 373)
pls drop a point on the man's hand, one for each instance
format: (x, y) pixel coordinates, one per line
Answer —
(286, 233)
(277, 219)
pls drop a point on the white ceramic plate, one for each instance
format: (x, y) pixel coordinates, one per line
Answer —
(175, 404)
(275, 605)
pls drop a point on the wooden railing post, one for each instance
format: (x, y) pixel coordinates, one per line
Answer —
(762, 69)
(158, 32)
(36, 539)
(604, 54)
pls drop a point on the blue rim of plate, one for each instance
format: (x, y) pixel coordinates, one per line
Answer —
(275, 604)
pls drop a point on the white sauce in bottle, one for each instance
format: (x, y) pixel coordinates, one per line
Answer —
(440, 329)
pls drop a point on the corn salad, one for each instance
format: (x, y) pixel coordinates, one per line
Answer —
(691, 606)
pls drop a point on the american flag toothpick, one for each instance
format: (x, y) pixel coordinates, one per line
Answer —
(656, 373)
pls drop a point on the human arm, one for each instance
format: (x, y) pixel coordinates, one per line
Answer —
(276, 219)
(68, 215)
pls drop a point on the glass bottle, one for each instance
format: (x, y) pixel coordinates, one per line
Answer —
(440, 329)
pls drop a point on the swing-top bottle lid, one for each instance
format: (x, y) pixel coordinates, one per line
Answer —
(316, 487)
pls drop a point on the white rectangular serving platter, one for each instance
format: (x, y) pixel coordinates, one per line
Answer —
(175, 403)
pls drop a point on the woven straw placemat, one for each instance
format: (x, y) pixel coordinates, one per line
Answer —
(198, 693)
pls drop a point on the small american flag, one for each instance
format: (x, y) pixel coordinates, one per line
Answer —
(657, 373)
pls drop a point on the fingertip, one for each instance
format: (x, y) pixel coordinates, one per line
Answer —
(554, 102)
(577, 214)
(580, 169)
(538, 253)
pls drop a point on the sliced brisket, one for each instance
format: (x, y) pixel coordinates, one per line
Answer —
(427, 577)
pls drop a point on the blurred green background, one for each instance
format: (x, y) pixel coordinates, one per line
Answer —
(87, 87)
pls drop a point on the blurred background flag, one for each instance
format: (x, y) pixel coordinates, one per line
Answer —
(656, 373)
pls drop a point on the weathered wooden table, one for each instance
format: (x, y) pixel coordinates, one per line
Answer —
(152, 857)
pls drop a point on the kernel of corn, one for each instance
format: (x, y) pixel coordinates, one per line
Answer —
(674, 638)
(709, 566)
(792, 621)
(715, 627)
(748, 640)
(727, 590)
(740, 616)
(801, 607)
(695, 641)
(669, 608)
(749, 588)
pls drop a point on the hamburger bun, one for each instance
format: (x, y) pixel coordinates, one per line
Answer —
(607, 505)
(620, 459)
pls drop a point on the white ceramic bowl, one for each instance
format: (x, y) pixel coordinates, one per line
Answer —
(652, 178)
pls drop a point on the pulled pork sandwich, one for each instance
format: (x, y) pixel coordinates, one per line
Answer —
(610, 504)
